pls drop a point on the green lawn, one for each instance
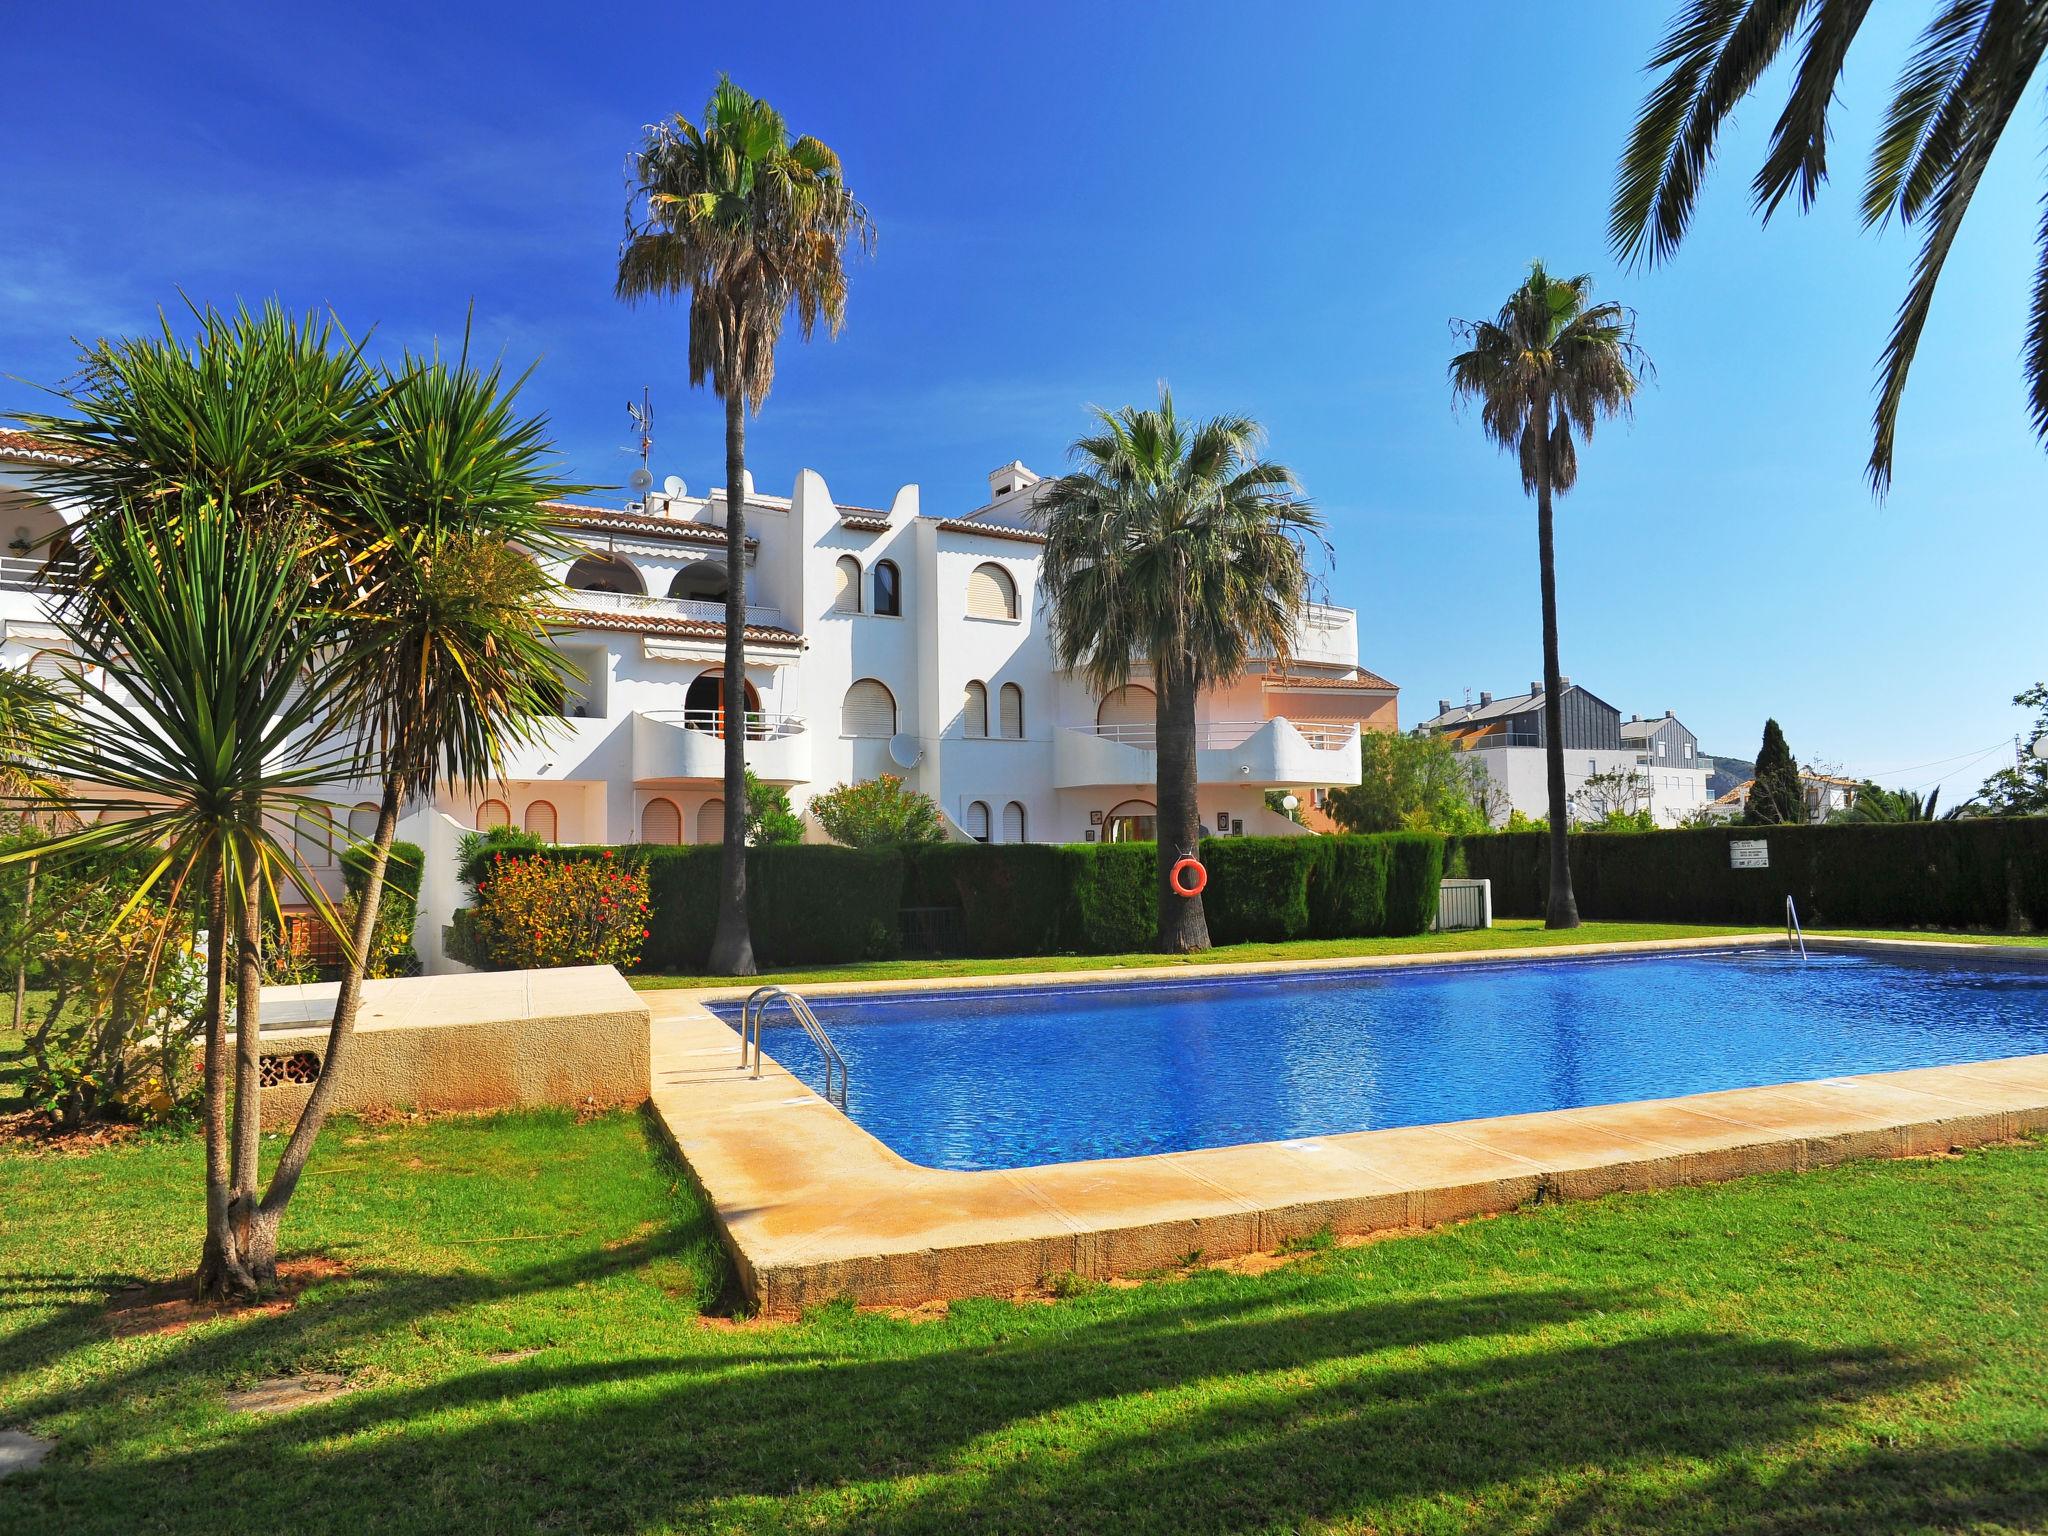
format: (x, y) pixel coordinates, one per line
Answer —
(1861, 1349)
(1506, 933)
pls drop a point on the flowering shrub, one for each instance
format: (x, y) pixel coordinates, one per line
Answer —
(534, 912)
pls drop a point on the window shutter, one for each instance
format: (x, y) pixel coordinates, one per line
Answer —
(869, 710)
(974, 714)
(1012, 712)
(362, 821)
(977, 821)
(493, 813)
(1013, 822)
(846, 594)
(540, 820)
(1132, 710)
(711, 822)
(991, 594)
(661, 822)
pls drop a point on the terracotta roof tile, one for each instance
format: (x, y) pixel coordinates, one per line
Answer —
(1365, 680)
(628, 522)
(864, 523)
(16, 444)
(990, 530)
(661, 624)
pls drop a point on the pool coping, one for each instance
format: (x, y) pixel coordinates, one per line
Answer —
(813, 1207)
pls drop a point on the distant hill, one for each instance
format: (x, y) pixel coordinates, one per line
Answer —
(1728, 772)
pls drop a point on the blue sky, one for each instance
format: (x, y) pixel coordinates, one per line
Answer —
(1277, 210)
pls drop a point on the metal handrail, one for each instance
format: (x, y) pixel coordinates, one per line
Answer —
(1223, 735)
(755, 1009)
(712, 722)
(1794, 934)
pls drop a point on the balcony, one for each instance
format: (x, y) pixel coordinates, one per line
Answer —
(1268, 753)
(672, 744)
(632, 604)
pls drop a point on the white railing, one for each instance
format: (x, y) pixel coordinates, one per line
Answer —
(1223, 735)
(760, 727)
(664, 607)
(18, 575)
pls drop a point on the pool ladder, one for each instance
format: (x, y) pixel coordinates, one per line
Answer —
(1794, 934)
(755, 1009)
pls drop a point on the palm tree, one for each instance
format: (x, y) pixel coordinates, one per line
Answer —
(1173, 545)
(752, 226)
(1543, 372)
(1973, 65)
(208, 715)
(445, 663)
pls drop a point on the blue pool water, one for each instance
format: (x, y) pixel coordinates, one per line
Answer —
(1010, 1078)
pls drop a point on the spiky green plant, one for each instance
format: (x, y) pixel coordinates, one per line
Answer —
(753, 226)
(1973, 65)
(1172, 545)
(1543, 373)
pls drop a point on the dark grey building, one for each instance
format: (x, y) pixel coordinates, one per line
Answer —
(1590, 723)
(1664, 743)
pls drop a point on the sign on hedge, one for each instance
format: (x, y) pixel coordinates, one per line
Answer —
(1749, 853)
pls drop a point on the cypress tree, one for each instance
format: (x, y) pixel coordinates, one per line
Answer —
(1777, 795)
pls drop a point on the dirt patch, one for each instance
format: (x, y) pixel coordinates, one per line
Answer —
(30, 1130)
(167, 1306)
(924, 1312)
(722, 1324)
(510, 1356)
(281, 1394)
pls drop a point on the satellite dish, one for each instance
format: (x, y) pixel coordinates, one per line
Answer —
(904, 750)
(640, 480)
(673, 486)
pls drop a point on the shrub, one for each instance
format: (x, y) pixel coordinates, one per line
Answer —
(475, 850)
(391, 950)
(770, 821)
(1347, 888)
(1113, 901)
(1258, 887)
(878, 813)
(1012, 896)
(1414, 882)
(535, 911)
(825, 906)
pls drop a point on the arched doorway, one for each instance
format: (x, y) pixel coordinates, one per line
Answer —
(1135, 821)
(661, 822)
(703, 581)
(1129, 714)
(704, 704)
(493, 813)
(605, 573)
(711, 821)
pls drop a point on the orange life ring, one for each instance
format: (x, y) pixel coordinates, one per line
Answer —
(1201, 880)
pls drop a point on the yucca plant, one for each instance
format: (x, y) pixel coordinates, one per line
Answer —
(1544, 372)
(204, 729)
(1173, 546)
(1974, 64)
(753, 226)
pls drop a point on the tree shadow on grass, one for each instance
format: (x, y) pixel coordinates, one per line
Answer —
(1190, 1413)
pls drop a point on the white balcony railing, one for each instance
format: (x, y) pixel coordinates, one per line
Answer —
(1223, 735)
(19, 575)
(664, 607)
(760, 727)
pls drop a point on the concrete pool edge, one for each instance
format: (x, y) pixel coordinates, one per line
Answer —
(813, 1207)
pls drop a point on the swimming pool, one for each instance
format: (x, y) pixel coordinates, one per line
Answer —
(1009, 1078)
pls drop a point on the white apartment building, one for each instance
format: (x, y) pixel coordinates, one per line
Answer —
(878, 640)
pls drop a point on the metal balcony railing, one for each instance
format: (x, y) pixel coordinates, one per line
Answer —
(20, 575)
(664, 607)
(1223, 735)
(759, 727)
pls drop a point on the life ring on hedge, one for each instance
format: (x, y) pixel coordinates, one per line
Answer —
(1200, 881)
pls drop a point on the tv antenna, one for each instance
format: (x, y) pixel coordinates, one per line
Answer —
(643, 425)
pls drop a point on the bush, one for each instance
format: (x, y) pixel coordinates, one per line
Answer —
(1012, 897)
(878, 813)
(475, 850)
(825, 906)
(535, 911)
(1414, 882)
(1972, 873)
(391, 950)
(1258, 887)
(1113, 900)
(1347, 888)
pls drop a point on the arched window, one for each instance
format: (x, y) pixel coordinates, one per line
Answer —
(974, 711)
(1012, 707)
(702, 581)
(711, 821)
(869, 710)
(977, 821)
(605, 573)
(888, 588)
(48, 665)
(1129, 714)
(362, 820)
(661, 822)
(1013, 822)
(540, 820)
(991, 594)
(846, 588)
(1135, 821)
(313, 834)
(493, 813)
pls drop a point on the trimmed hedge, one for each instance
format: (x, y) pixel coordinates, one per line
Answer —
(1971, 873)
(812, 905)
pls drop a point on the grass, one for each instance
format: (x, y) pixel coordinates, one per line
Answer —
(1506, 933)
(1859, 1349)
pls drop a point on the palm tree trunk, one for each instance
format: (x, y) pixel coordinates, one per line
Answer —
(1562, 911)
(732, 947)
(220, 1269)
(246, 1143)
(1183, 926)
(260, 1250)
